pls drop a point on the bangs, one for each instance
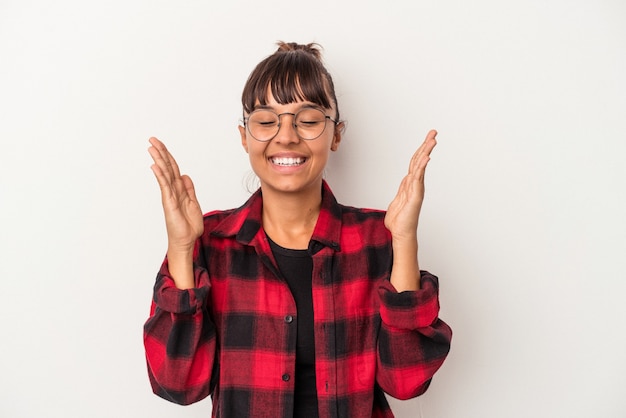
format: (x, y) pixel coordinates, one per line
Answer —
(289, 77)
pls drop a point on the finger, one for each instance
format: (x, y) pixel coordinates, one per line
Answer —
(164, 158)
(163, 170)
(189, 187)
(154, 141)
(423, 152)
(163, 176)
(415, 183)
(405, 191)
(426, 147)
(164, 182)
(158, 152)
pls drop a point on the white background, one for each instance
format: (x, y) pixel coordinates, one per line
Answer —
(523, 220)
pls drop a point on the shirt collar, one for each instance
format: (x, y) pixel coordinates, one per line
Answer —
(244, 223)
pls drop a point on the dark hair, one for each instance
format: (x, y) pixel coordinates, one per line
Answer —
(294, 72)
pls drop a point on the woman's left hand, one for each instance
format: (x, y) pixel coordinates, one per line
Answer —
(403, 212)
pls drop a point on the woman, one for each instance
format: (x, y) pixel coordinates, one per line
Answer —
(292, 304)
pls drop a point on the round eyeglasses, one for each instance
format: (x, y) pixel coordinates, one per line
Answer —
(309, 123)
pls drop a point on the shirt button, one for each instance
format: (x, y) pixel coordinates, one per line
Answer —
(286, 377)
(289, 319)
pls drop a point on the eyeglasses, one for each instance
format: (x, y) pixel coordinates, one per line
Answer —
(309, 123)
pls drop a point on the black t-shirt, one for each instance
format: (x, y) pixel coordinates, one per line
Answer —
(296, 267)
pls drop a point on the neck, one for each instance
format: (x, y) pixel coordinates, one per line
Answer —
(290, 218)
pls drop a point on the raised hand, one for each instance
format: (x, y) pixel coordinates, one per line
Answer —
(183, 216)
(403, 212)
(402, 218)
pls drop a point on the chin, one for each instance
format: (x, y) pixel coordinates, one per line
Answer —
(291, 185)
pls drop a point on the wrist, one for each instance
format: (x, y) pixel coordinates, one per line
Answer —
(180, 252)
(405, 274)
(402, 241)
(180, 266)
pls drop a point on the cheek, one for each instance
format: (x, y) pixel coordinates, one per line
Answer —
(255, 150)
(323, 152)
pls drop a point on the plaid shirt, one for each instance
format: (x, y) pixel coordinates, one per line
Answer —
(234, 335)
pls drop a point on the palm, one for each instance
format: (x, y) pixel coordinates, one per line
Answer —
(183, 216)
(403, 212)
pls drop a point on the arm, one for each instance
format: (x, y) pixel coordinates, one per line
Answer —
(179, 336)
(180, 339)
(183, 216)
(402, 219)
(413, 341)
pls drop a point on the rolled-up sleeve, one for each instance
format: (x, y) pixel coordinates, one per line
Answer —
(413, 342)
(179, 339)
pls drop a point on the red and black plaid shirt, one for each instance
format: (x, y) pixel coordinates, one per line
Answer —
(234, 335)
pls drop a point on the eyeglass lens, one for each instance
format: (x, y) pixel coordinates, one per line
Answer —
(263, 125)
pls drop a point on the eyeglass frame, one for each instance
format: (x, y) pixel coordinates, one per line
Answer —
(293, 123)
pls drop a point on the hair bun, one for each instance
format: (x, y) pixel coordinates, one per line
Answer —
(312, 48)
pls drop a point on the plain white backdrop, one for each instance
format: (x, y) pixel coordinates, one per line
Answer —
(526, 192)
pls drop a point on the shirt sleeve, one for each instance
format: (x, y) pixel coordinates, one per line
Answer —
(413, 342)
(179, 339)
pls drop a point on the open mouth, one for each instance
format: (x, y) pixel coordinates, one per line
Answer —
(288, 161)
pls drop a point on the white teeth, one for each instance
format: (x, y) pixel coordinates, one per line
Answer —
(288, 161)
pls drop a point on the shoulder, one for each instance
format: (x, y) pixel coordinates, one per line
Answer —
(353, 214)
(215, 217)
(365, 224)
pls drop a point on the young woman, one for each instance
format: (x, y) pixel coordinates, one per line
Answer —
(292, 305)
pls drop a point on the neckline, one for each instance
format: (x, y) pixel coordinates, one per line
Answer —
(287, 251)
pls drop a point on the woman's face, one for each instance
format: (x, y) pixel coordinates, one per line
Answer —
(287, 163)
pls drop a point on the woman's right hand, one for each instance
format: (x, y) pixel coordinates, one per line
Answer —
(183, 216)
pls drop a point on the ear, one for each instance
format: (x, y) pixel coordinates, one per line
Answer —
(244, 140)
(334, 146)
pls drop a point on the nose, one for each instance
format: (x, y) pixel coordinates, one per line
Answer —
(287, 129)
